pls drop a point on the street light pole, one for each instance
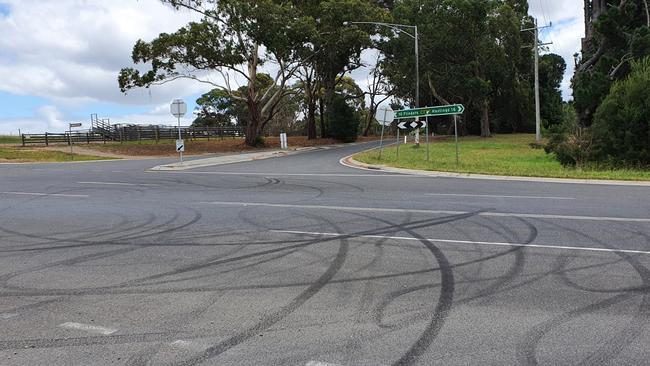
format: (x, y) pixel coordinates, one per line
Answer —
(398, 29)
(536, 46)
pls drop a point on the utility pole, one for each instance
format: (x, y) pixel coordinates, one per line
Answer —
(536, 46)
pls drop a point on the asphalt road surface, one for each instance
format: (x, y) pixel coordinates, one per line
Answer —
(302, 261)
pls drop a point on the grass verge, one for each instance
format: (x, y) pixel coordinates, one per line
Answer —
(20, 155)
(10, 140)
(509, 155)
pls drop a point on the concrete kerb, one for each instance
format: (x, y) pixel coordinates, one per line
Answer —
(350, 162)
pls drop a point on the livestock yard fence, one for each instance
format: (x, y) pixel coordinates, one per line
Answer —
(102, 131)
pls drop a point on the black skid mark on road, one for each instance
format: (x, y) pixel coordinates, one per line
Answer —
(446, 295)
(619, 341)
(527, 348)
(516, 268)
(88, 257)
(273, 318)
(180, 321)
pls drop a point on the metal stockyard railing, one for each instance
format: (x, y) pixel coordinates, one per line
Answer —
(123, 133)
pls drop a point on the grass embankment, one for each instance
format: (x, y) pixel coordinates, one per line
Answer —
(203, 146)
(500, 155)
(10, 140)
(22, 155)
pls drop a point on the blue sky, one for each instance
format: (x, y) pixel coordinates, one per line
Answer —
(59, 59)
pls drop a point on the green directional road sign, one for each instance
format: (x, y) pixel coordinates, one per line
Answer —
(442, 110)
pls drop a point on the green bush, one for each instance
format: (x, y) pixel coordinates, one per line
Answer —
(571, 143)
(621, 126)
(344, 122)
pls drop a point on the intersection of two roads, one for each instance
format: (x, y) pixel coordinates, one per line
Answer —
(300, 260)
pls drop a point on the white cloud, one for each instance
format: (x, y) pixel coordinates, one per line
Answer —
(73, 49)
(567, 17)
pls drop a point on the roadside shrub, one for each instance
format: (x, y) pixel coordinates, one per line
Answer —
(260, 141)
(621, 126)
(344, 122)
(570, 142)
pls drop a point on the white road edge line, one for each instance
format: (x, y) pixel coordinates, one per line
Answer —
(468, 242)
(498, 196)
(443, 212)
(271, 174)
(46, 194)
(318, 363)
(120, 184)
(88, 328)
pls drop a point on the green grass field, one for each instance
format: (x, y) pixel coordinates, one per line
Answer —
(19, 155)
(10, 139)
(500, 155)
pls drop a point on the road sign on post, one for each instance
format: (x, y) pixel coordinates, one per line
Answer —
(178, 108)
(385, 117)
(442, 110)
(414, 124)
(180, 145)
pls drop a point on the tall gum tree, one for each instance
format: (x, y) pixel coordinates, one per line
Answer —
(470, 53)
(234, 38)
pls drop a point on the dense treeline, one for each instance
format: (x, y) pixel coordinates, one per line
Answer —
(611, 89)
(294, 59)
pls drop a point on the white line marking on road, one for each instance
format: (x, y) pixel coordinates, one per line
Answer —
(46, 194)
(286, 174)
(88, 328)
(498, 196)
(442, 212)
(6, 316)
(469, 242)
(120, 184)
(318, 363)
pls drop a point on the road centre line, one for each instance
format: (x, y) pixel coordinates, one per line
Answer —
(88, 328)
(498, 196)
(121, 184)
(468, 242)
(46, 194)
(443, 212)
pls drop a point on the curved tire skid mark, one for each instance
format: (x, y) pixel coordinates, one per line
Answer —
(608, 351)
(278, 315)
(445, 298)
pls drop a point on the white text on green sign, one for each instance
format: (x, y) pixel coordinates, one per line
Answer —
(443, 110)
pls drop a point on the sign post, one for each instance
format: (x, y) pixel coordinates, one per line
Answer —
(442, 110)
(70, 125)
(385, 119)
(178, 108)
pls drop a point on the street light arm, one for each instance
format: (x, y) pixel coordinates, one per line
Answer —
(395, 27)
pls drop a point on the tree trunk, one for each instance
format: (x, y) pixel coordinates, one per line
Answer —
(326, 102)
(311, 120)
(485, 119)
(371, 114)
(323, 130)
(252, 129)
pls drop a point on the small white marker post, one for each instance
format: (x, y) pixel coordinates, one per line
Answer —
(283, 141)
(178, 108)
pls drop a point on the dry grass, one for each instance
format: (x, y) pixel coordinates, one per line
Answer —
(199, 147)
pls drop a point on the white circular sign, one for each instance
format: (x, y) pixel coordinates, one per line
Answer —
(178, 108)
(385, 116)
